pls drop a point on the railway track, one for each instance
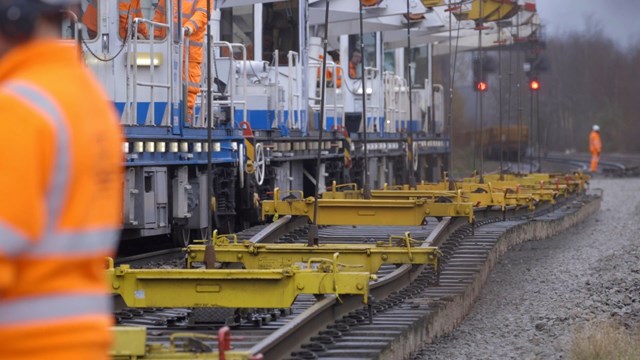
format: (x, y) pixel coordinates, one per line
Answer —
(607, 167)
(404, 298)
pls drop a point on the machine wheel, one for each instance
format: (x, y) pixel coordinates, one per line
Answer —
(260, 164)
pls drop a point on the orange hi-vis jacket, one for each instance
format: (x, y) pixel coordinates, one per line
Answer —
(90, 15)
(329, 74)
(353, 71)
(127, 11)
(61, 204)
(194, 16)
(595, 143)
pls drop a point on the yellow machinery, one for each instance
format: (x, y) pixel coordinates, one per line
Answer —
(410, 212)
(486, 197)
(130, 343)
(275, 288)
(364, 257)
(488, 10)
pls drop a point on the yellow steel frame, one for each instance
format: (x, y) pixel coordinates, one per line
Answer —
(130, 343)
(487, 199)
(515, 193)
(492, 10)
(364, 212)
(490, 197)
(234, 288)
(364, 257)
(572, 182)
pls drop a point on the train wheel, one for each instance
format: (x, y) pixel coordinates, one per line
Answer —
(260, 164)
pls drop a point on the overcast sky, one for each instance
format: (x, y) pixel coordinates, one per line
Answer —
(619, 18)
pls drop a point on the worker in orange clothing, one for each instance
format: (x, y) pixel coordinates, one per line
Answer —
(194, 25)
(90, 18)
(354, 63)
(328, 74)
(595, 146)
(128, 10)
(61, 189)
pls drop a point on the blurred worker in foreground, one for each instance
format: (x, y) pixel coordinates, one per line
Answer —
(354, 62)
(194, 25)
(61, 190)
(595, 146)
(128, 10)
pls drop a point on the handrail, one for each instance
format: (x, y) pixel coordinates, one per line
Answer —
(232, 92)
(132, 73)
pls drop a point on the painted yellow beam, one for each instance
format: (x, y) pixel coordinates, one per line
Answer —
(234, 288)
(359, 257)
(365, 212)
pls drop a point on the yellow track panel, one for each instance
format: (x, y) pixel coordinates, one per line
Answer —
(482, 199)
(516, 194)
(438, 192)
(365, 212)
(234, 288)
(360, 257)
(130, 343)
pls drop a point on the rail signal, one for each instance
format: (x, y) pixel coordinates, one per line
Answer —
(481, 86)
(534, 84)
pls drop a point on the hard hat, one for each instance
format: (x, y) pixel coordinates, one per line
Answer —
(596, 128)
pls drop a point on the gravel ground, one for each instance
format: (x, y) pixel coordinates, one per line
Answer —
(540, 292)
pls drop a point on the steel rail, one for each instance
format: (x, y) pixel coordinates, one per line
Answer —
(279, 344)
(141, 259)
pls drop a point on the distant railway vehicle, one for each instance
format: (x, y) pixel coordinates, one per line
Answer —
(514, 141)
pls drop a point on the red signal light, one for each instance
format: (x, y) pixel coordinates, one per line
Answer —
(534, 85)
(481, 86)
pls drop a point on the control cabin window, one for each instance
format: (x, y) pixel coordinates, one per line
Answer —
(236, 26)
(420, 70)
(280, 30)
(390, 61)
(356, 57)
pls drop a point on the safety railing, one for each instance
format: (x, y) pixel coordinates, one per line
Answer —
(375, 107)
(134, 61)
(390, 81)
(294, 96)
(230, 97)
(334, 107)
(278, 106)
